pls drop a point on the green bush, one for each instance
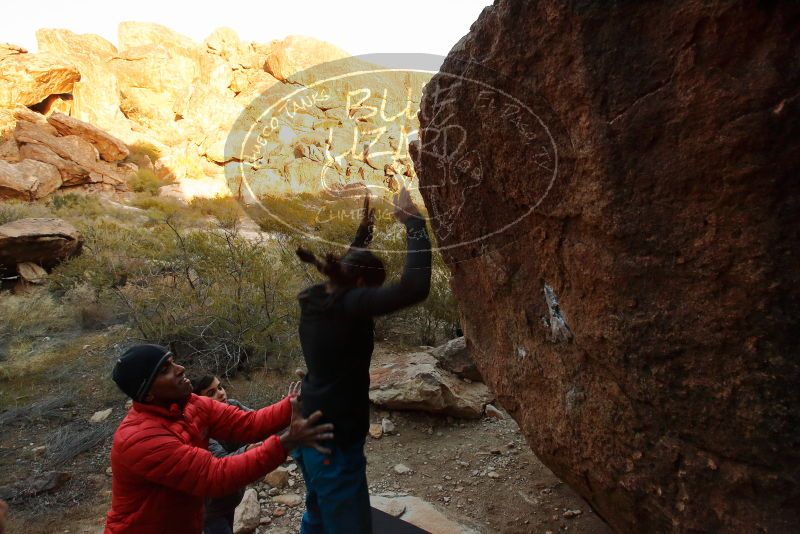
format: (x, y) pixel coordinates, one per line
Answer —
(143, 148)
(145, 181)
(166, 208)
(225, 209)
(12, 210)
(227, 301)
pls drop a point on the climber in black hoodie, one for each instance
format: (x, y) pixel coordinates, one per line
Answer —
(336, 334)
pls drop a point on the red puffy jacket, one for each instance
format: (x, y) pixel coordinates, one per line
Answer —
(163, 471)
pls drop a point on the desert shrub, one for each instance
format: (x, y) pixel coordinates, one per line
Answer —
(228, 302)
(113, 253)
(145, 181)
(225, 209)
(435, 319)
(143, 148)
(281, 214)
(81, 209)
(12, 210)
(92, 308)
(72, 439)
(163, 208)
(32, 314)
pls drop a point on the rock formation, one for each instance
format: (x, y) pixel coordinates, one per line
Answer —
(615, 186)
(30, 78)
(44, 242)
(414, 382)
(43, 154)
(196, 104)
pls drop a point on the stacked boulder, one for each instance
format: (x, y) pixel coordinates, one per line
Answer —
(43, 154)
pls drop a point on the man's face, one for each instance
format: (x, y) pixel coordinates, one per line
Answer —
(170, 385)
(215, 391)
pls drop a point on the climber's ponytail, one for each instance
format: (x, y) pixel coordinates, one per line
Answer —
(346, 271)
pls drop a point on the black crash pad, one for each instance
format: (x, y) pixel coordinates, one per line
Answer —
(383, 523)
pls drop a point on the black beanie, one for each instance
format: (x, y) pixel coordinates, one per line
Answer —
(137, 367)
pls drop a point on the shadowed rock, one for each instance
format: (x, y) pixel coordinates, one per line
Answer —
(42, 241)
(615, 188)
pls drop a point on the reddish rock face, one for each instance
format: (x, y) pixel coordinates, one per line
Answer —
(615, 188)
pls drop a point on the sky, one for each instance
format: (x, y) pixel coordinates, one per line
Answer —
(359, 27)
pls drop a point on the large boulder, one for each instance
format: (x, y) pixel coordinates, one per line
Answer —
(290, 59)
(28, 179)
(618, 204)
(455, 357)
(30, 78)
(42, 241)
(225, 43)
(132, 34)
(109, 147)
(96, 96)
(414, 382)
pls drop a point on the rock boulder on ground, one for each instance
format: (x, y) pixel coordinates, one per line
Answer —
(414, 382)
(31, 273)
(615, 188)
(247, 516)
(279, 478)
(42, 241)
(14, 184)
(28, 179)
(454, 356)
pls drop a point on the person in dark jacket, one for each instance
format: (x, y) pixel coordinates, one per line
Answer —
(336, 335)
(218, 518)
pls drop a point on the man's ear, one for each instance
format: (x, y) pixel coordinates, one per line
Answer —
(148, 399)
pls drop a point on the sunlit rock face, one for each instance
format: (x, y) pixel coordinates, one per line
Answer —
(614, 186)
(321, 119)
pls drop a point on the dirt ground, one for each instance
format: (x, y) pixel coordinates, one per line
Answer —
(480, 473)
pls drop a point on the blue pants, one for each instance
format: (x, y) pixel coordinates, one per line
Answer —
(337, 497)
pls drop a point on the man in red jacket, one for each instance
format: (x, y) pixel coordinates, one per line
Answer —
(162, 469)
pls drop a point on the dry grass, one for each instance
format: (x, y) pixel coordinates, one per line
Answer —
(48, 407)
(68, 441)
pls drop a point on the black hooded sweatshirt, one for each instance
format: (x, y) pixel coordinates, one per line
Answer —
(336, 334)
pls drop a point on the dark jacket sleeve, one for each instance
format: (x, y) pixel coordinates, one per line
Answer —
(216, 448)
(414, 284)
(363, 236)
